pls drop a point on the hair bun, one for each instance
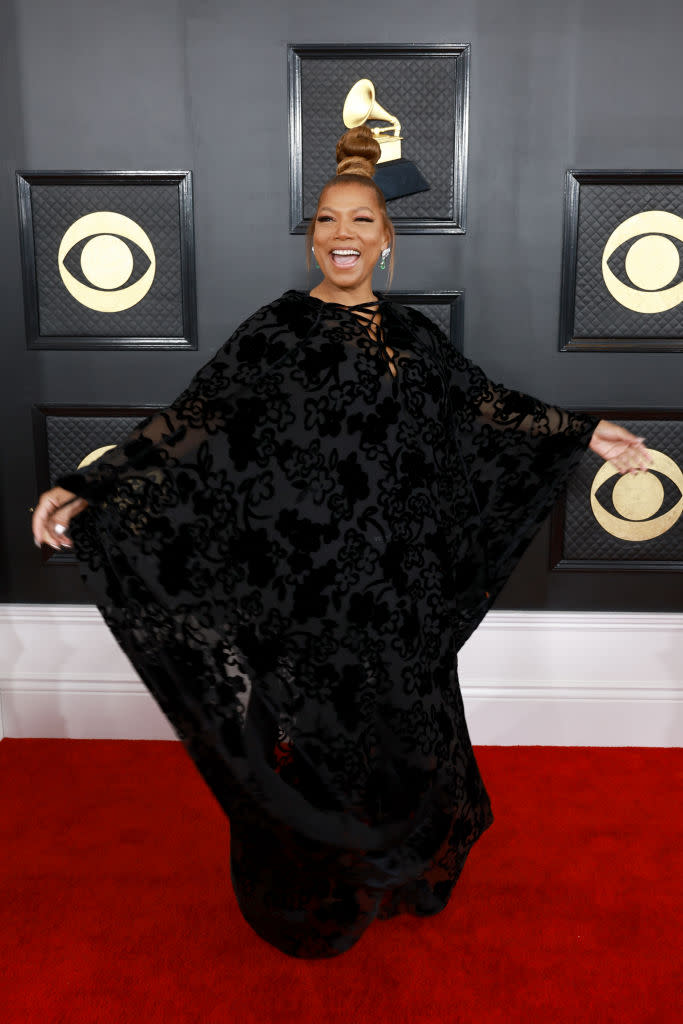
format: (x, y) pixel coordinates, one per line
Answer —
(357, 152)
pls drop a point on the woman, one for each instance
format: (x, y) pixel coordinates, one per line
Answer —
(291, 555)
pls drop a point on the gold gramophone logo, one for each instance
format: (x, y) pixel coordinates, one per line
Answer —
(97, 257)
(395, 175)
(638, 498)
(651, 263)
(360, 106)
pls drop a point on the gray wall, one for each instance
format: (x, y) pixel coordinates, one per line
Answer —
(201, 84)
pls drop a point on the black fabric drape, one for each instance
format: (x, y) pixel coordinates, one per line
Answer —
(291, 554)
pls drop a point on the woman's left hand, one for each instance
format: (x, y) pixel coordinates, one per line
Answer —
(619, 446)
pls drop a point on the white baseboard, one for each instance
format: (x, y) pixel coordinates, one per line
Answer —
(555, 678)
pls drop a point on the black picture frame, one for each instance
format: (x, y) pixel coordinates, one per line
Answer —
(55, 318)
(454, 131)
(572, 536)
(59, 429)
(592, 319)
(445, 308)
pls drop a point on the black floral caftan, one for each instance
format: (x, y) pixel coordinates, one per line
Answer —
(291, 555)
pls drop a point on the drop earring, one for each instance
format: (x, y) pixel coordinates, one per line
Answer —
(317, 266)
(384, 258)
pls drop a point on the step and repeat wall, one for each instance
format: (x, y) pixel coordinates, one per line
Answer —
(160, 168)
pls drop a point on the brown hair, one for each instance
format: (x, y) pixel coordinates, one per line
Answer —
(357, 153)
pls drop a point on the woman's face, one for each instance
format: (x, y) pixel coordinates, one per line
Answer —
(349, 236)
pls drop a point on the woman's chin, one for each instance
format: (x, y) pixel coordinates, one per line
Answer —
(348, 277)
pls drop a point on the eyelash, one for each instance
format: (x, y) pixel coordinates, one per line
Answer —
(325, 217)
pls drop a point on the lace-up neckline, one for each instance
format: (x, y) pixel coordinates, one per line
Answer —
(366, 314)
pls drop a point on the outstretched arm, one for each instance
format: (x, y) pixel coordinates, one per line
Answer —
(209, 404)
(500, 409)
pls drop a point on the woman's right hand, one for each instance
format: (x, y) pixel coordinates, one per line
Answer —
(54, 511)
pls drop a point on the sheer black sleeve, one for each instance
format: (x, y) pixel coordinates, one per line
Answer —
(514, 456)
(222, 397)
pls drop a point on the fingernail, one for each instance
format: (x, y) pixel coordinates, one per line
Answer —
(60, 528)
(37, 543)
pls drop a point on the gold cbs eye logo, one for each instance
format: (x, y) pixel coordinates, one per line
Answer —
(637, 497)
(106, 261)
(651, 263)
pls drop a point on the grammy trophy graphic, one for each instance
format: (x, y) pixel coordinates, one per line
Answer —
(395, 175)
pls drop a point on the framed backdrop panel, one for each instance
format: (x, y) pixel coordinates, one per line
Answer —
(622, 270)
(107, 259)
(416, 100)
(445, 309)
(65, 435)
(612, 523)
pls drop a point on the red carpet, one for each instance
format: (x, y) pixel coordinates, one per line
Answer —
(116, 903)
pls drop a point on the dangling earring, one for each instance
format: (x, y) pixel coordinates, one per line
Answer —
(385, 256)
(317, 267)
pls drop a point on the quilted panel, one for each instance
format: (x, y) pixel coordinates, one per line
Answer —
(439, 313)
(601, 209)
(159, 314)
(420, 92)
(71, 438)
(585, 540)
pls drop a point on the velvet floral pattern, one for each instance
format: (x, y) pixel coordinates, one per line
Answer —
(291, 555)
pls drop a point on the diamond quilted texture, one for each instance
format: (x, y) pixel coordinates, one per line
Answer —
(156, 209)
(438, 313)
(420, 92)
(601, 209)
(585, 540)
(71, 438)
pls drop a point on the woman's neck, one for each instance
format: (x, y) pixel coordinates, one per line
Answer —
(342, 296)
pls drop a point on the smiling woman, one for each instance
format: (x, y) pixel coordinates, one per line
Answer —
(291, 555)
